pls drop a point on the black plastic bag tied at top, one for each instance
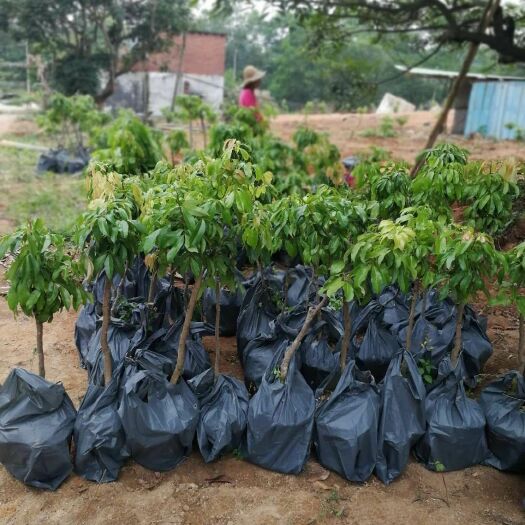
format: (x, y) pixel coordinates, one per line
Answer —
(503, 403)
(455, 435)
(159, 420)
(280, 420)
(223, 413)
(36, 425)
(346, 423)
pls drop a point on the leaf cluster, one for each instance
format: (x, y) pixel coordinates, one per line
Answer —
(44, 277)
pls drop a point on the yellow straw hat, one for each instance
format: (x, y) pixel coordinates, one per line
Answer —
(251, 74)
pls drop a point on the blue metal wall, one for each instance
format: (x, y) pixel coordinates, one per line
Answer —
(494, 104)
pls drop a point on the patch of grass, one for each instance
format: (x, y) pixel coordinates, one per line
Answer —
(57, 199)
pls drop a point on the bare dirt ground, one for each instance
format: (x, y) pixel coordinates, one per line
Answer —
(232, 491)
(345, 132)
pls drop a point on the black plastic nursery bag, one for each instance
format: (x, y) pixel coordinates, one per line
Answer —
(159, 420)
(346, 423)
(280, 420)
(402, 420)
(503, 403)
(223, 416)
(36, 424)
(455, 434)
(99, 437)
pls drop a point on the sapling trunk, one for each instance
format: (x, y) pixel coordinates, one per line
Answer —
(152, 287)
(521, 346)
(290, 351)
(347, 334)
(120, 289)
(217, 326)
(181, 353)
(106, 314)
(40, 348)
(458, 339)
(412, 315)
(186, 298)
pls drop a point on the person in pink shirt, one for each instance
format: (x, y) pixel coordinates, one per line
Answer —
(251, 81)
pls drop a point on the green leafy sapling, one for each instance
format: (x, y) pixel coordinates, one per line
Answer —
(109, 235)
(465, 261)
(319, 228)
(192, 224)
(44, 277)
(426, 226)
(388, 254)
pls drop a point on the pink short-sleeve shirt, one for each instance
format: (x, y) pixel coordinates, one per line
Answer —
(247, 98)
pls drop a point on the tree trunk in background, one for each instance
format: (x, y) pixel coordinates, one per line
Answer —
(181, 354)
(178, 78)
(458, 81)
(40, 348)
(106, 314)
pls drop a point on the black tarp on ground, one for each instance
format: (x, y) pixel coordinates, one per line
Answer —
(100, 444)
(61, 160)
(280, 420)
(159, 420)
(36, 424)
(346, 423)
(455, 435)
(402, 420)
(223, 413)
(230, 308)
(503, 403)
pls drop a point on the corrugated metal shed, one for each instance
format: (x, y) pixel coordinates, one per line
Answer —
(493, 105)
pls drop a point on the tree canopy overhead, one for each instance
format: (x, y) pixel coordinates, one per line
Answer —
(83, 39)
(440, 21)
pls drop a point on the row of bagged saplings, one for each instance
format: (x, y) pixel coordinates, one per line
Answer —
(367, 418)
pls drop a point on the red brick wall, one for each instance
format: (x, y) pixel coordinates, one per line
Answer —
(204, 55)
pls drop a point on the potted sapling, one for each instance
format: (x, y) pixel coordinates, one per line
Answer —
(109, 235)
(43, 275)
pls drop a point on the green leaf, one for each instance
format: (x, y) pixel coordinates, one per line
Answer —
(337, 267)
(123, 228)
(108, 266)
(33, 299)
(150, 241)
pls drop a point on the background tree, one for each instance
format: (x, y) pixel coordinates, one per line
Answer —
(43, 277)
(83, 39)
(435, 21)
